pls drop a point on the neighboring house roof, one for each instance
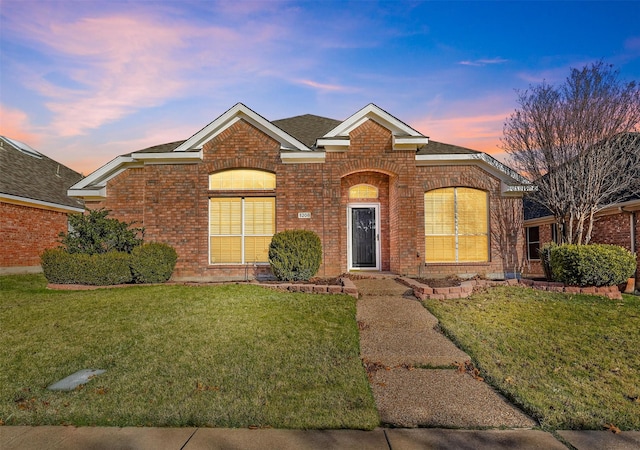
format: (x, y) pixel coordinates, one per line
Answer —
(28, 176)
(303, 139)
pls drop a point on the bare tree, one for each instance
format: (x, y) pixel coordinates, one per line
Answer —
(579, 143)
(507, 233)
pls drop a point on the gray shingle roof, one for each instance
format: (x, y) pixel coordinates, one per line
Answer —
(438, 148)
(307, 128)
(35, 176)
(162, 148)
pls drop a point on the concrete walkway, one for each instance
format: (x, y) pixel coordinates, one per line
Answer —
(412, 366)
(397, 335)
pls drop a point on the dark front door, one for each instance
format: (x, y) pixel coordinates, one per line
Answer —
(364, 236)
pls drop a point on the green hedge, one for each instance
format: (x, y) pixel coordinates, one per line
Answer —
(295, 255)
(153, 262)
(103, 269)
(592, 265)
(149, 263)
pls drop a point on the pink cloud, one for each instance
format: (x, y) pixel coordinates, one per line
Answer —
(115, 65)
(15, 125)
(481, 132)
(323, 86)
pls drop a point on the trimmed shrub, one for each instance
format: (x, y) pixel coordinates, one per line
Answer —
(295, 255)
(592, 265)
(102, 269)
(153, 262)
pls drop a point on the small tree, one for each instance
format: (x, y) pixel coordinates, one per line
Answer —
(95, 233)
(507, 235)
(579, 143)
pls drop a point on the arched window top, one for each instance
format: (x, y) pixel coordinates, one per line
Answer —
(363, 191)
(242, 179)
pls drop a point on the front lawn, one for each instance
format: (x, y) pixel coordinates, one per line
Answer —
(571, 361)
(219, 356)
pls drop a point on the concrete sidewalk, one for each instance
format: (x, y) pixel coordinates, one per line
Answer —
(98, 438)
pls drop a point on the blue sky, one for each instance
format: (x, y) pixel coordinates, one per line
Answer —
(85, 81)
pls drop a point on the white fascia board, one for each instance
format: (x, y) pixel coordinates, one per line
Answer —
(486, 162)
(230, 117)
(334, 145)
(8, 198)
(409, 142)
(171, 158)
(302, 157)
(377, 114)
(106, 172)
(89, 194)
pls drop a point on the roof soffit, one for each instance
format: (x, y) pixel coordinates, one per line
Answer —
(241, 112)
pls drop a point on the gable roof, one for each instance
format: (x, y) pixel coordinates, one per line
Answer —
(303, 139)
(32, 178)
(404, 137)
(231, 116)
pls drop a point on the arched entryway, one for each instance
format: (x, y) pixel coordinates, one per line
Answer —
(365, 198)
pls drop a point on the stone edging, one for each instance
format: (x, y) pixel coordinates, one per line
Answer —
(466, 288)
(347, 287)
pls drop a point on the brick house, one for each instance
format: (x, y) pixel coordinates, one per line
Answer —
(380, 195)
(616, 224)
(33, 205)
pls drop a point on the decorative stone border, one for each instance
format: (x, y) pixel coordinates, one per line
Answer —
(466, 288)
(347, 287)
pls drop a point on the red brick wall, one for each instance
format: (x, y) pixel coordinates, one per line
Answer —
(25, 232)
(171, 201)
(613, 229)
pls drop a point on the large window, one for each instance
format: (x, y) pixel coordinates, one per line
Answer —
(456, 225)
(241, 228)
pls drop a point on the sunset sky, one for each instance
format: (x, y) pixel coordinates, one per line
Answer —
(85, 81)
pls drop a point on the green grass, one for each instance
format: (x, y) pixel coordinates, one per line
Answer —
(571, 361)
(220, 356)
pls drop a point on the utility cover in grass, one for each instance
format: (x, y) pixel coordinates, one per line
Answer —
(76, 379)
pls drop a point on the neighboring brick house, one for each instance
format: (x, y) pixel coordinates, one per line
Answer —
(379, 194)
(33, 205)
(617, 224)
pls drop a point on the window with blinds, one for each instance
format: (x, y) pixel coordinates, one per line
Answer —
(456, 225)
(241, 228)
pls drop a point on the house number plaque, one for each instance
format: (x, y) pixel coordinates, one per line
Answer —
(304, 215)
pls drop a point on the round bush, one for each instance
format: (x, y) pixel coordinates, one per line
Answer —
(295, 255)
(153, 262)
(592, 265)
(104, 269)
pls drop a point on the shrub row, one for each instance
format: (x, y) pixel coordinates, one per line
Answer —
(148, 263)
(591, 265)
